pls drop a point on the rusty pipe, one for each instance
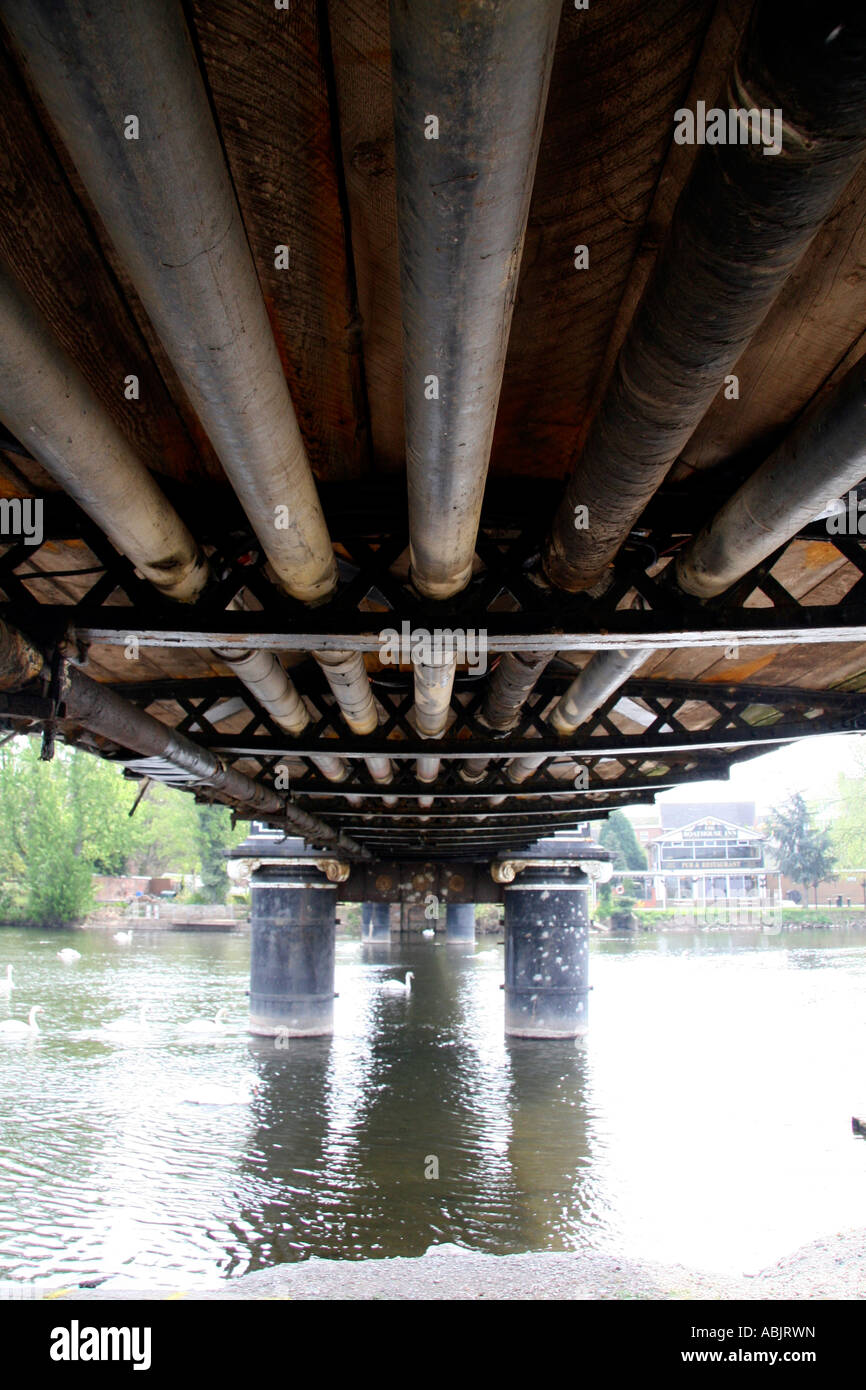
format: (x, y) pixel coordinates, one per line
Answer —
(820, 460)
(510, 684)
(742, 223)
(103, 712)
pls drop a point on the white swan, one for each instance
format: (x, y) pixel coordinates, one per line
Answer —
(206, 1025)
(6, 986)
(120, 1027)
(124, 937)
(67, 955)
(210, 1094)
(14, 1028)
(399, 986)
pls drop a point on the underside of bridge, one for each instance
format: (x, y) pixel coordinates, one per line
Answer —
(419, 424)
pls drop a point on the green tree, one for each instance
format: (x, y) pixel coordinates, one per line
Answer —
(848, 831)
(802, 850)
(57, 876)
(214, 836)
(164, 834)
(618, 836)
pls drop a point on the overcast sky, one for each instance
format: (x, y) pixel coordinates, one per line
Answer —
(810, 766)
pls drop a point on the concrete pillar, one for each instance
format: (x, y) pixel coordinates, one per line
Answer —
(546, 954)
(460, 922)
(376, 921)
(292, 928)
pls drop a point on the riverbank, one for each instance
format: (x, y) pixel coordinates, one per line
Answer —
(830, 1268)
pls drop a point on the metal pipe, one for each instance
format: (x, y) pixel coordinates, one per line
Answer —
(434, 683)
(596, 682)
(470, 82)
(743, 221)
(823, 456)
(165, 196)
(48, 405)
(602, 675)
(102, 711)
(265, 678)
(510, 684)
(108, 714)
(347, 676)
(167, 201)
(820, 460)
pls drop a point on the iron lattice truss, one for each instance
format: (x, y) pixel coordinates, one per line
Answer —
(685, 731)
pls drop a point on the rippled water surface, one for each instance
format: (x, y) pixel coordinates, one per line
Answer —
(706, 1118)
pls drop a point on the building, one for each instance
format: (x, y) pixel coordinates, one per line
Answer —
(707, 852)
(704, 852)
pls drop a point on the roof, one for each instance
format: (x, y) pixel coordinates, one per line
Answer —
(683, 813)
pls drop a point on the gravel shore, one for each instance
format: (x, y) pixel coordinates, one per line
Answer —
(831, 1268)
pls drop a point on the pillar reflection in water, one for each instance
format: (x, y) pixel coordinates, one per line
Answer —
(546, 954)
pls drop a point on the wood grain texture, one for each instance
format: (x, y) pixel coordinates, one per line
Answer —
(816, 324)
(616, 83)
(266, 75)
(48, 241)
(362, 70)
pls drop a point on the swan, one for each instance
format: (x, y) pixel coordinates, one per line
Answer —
(130, 1024)
(6, 986)
(67, 955)
(124, 937)
(14, 1028)
(210, 1094)
(206, 1025)
(399, 986)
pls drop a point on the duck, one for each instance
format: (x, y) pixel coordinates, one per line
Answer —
(206, 1025)
(124, 937)
(399, 986)
(6, 986)
(128, 1025)
(857, 1126)
(428, 931)
(68, 955)
(211, 1094)
(15, 1028)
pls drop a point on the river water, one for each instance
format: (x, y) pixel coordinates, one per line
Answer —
(705, 1119)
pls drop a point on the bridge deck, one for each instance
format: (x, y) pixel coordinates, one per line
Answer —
(302, 100)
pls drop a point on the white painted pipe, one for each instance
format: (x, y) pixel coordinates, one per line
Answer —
(51, 409)
(347, 676)
(163, 191)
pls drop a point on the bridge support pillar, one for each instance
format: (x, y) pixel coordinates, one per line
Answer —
(460, 922)
(292, 923)
(546, 953)
(376, 921)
